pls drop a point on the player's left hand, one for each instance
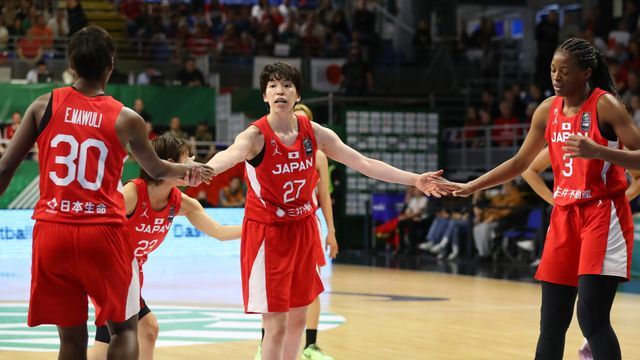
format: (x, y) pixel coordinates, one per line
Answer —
(580, 146)
(332, 245)
(433, 184)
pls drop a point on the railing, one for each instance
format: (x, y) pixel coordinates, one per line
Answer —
(473, 150)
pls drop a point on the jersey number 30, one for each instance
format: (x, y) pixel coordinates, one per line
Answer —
(78, 172)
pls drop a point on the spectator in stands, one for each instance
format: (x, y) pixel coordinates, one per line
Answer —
(457, 230)
(260, 10)
(175, 129)
(632, 87)
(131, 11)
(289, 33)
(42, 32)
(149, 76)
(266, 37)
(489, 103)
(246, 46)
(632, 63)
(203, 152)
(232, 195)
(30, 49)
(336, 47)
(76, 17)
(547, 32)
(58, 24)
(10, 129)
(189, 75)
(482, 135)
(411, 220)
(505, 135)
(629, 20)
(439, 227)
(138, 107)
(4, 35)
(152, 134)
(229, 42)
(16, 29)
(357, 78)
(200, 43)
(364, 20)
(488, 219)
(39, 74)
(312, 35)
(287, 10)
(569, 28)
(482, 36)
(472, 120)
(30, 20)
(338, 24)
(422, 42)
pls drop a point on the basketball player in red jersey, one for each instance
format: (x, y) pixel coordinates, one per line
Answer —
(79, 244)
(588, 247)
(151, 206)
(280, 233)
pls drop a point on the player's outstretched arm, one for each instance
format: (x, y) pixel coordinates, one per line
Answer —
(196, 215)
(22, 141)
(335, 149)
(245, 146)
(322, 165)
(533, 178)
(131, 128)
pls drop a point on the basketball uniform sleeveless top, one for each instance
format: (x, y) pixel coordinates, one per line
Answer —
(281, 187)
(148, 227)
(81, 161)
(581, 180)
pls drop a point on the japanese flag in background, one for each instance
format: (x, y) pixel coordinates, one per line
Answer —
(326, 74)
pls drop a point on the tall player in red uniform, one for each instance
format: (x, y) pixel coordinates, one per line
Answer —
(80, 245)
(588, 247)
(280, 233)
(151, 205)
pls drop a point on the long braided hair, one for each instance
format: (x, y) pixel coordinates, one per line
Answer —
(590, 58)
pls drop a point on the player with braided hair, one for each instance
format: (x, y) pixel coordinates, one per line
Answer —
(589, 242)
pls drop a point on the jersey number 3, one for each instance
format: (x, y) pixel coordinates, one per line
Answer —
(78, 172)
(567, 171)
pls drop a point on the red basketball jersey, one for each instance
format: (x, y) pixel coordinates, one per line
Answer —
(281, 187)
(579, 180)
(148, 227)
(81, 160)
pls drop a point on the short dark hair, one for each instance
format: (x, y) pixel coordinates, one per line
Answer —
(90, 52)
(280, 71)
(168, 147)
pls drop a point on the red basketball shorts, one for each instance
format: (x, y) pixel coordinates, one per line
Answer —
(279, 265)
(71, 262)
(594, 238)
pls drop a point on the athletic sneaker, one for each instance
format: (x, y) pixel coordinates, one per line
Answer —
(313, 352)
(259, 353)
(584, 353)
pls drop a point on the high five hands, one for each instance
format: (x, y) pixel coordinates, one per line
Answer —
(433, 184)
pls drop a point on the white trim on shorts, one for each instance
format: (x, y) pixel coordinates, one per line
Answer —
(257, 302)
(615, 258)
(133, 294)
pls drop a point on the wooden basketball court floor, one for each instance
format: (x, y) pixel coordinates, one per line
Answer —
(404, 314)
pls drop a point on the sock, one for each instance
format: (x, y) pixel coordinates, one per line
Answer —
(262, 339)
(312, 334)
